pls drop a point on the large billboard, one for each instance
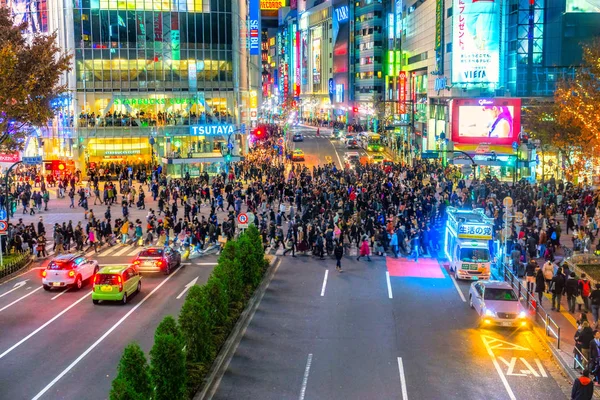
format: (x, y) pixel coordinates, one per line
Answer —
(271, 4)
(151, 5)
(341, 40)
(493, 121)
(584, 6)
(476, 41)
(33, 12)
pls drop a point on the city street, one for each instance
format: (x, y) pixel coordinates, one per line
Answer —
(319, 334)
(58, 345)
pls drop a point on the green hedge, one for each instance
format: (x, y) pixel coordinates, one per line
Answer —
(184, 350)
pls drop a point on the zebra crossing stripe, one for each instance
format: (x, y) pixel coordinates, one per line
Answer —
(123, 250)
(106, 252)
(133, 252)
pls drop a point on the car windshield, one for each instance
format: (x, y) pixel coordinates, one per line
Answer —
(500, 294)
(151, 253)
(474, 255)
(60, 265)
(107, 279)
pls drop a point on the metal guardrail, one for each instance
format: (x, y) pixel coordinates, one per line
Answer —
(550, 326)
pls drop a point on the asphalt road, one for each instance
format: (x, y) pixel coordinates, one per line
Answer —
(356, 337)
(58, 345)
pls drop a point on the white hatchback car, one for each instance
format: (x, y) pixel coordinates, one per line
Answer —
(68, 270)
(497, 304)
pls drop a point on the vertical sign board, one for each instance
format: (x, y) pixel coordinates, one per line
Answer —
(402, 92)
(341, 40)
(297, 63)
(476, 41)
(254, 27)
(439, 35)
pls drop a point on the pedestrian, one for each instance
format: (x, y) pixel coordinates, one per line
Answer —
(548, 270)
(557, 287)
(583, 337)
(585, 290)
(530, 274)
(41, 246)
(594, 364)
(583, 388)
(595, 302)
(571, 290)
(338, 252)
(540, 285)
(364, 251)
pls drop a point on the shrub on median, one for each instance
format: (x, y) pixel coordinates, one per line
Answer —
(167, 368)
(133, 380)
(196, 325)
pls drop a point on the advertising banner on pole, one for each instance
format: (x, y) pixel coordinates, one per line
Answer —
(254, 27)
(476, 41)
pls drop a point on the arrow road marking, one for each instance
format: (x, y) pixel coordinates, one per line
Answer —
(17, 286)
(187, 287)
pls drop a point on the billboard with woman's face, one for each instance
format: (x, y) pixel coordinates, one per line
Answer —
(494, 121)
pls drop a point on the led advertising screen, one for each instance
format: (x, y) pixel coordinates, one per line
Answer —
(341, 40)
(583, 6)
(476, 41)
(152, 5)
(493, 121)
(34, 12)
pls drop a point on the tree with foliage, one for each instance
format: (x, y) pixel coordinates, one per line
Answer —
(218, 301)
(167, 368)
(133, 380)
(229, 270)
(579, 99)
(31, 66)
(168, 326)
(253, 261)
(196, 324)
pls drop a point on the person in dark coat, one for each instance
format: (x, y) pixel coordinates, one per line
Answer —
(558, 287)
(583, 388)
(571, 290)
(540, 284)
(595, 356)
(338, 252)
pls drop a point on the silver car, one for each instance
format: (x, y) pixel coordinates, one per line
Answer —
(68, 270)
(497, 305)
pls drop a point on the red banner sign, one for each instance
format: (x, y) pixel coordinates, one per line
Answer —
(10, 157)
(402, 92)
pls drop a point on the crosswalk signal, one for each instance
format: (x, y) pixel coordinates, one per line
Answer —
(258, 133)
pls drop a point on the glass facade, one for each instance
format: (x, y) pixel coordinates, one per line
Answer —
(152, 68)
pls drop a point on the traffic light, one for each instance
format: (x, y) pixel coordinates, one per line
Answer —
(355, 109)
(227, 157)
(259, 133)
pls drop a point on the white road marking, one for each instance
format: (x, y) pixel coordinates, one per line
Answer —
(460, 293)
(337, 155)
(19, 299)
(26, 338)
(123, 250)
(389, 284)
(106, 252)
(133, 252)
(541, 368)
(402, 379)
(324, 282)
(199, 263)
(511, 395)
(104, 336)
(18, 285)
(187, 287)
(61, 293)
(305, 379)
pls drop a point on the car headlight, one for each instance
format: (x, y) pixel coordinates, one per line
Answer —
(522, 314)
(489, 313)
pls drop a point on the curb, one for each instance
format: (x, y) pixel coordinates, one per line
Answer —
(229, 348)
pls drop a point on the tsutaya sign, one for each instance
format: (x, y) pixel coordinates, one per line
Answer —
(212, 130)
(164, 101)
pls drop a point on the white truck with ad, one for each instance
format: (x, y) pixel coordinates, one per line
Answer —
(467, 243)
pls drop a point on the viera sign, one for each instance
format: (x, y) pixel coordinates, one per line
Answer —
(212, 130)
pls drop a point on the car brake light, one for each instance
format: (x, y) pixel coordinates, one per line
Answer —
(120, 283)
(96, 279)
(137, 262)
(119, 279)
(160, 263)
(71, 273)
(44, 273)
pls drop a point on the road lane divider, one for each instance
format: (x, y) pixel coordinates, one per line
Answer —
(402, 379)
(26, 338)
(460, 293)
(389, 284)
(104, 336)
(19, 299)
(60, 294)
(324, 283)
(305, 378)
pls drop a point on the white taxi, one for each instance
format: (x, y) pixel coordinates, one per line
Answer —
(68, 270)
